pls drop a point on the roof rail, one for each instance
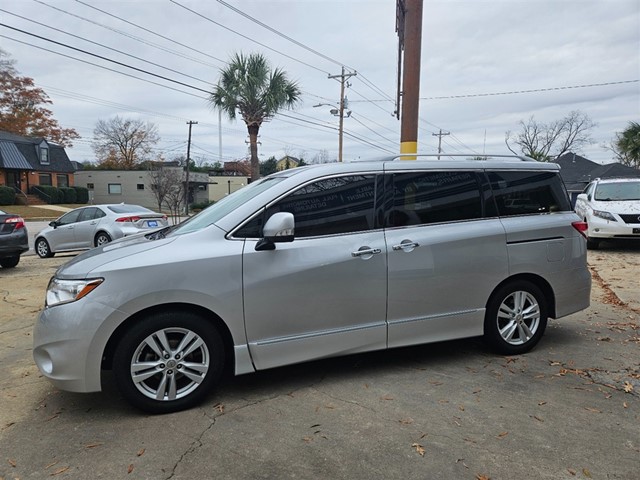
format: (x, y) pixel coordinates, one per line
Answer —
(453, 156)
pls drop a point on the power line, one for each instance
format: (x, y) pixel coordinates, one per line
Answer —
(105, 46)
(105, 58)
(246, 37)
(133, 37)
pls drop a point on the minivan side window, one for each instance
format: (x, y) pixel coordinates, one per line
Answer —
(433, 197)
(330, 206)
(524, 193)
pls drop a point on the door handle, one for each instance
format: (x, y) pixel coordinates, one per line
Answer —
(406, 245)
(366, 252)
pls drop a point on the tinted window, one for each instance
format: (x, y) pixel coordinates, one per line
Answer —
(327, 207)
(71, 217)
(87, 214)
(522, 193)
(433, 197)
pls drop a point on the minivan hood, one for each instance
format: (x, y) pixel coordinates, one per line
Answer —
(92, 259)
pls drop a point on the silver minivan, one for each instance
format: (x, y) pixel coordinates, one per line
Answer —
(314, 262)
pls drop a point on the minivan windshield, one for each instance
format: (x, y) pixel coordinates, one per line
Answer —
(619, 191)
(223, 207)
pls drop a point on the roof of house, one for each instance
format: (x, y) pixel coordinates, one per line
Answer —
(21, 153)
(577, 171)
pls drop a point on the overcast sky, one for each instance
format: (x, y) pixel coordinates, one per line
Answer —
(486, 65)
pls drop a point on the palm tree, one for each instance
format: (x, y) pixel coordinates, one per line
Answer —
(248, 85)
(627, 144)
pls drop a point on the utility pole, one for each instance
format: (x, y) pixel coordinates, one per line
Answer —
(409, 14)
(186, 193)
(440, 135)
(343, 77)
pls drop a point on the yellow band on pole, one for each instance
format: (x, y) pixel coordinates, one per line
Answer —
(408, 147)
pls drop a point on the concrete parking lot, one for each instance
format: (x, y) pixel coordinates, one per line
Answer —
(569, 409)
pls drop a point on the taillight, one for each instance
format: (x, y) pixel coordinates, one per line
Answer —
(581, 227)
(127, 219)
(17, 221)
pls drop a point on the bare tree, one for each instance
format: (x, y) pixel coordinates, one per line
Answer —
(547, 141)
(122, 143)
(163, 180)
(174, 198)
(321, 157)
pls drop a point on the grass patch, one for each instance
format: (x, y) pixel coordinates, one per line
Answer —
(29, 212)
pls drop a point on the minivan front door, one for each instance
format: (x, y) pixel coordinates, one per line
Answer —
(323, 294)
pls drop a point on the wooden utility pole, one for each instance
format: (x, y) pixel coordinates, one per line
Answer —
(186, 193)
(410, 26)
(440, 135)
(343, 78)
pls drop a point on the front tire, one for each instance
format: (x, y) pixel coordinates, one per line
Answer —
(168, 362)
(516, 318)
(43, 249)
(9, 262)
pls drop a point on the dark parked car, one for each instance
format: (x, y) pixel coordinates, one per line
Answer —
(13, 239)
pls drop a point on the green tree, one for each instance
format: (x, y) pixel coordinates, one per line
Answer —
(248, 86)
(627, 145)
(268, 166)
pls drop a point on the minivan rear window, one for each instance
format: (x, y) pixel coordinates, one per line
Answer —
(525, 193)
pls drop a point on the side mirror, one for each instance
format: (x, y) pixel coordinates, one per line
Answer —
(279, 228)
(54, 224)
(583, 197)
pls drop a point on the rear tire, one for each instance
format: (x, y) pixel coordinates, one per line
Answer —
(168, 362)
(101, 239)
(516, 318)
(9, 262)
(43, 249)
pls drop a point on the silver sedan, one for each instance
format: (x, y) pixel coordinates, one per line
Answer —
(87, 227)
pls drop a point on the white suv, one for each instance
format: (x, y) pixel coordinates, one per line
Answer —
(611, 208)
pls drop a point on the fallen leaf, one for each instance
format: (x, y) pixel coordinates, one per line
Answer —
(419, 448)
(130, 469)
(94, 445)
(315, 425)
(435, 382)
(572, 471)
(59, 471)
(587, 473)
(461, 407)
(406, 421)
(541, 403)
(51, 465)
(503, 434)
(594, 410)
(12, 462)
(219, 407)
(628, 387)
(624, 404)
(386, 397)
(538, 418)
(461, 460)
(141, 452)
(553, 363)
(482, 477)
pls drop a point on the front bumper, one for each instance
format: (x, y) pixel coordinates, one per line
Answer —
(68, 344)
(600, 228)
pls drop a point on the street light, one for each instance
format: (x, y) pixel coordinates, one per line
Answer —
(338, 112)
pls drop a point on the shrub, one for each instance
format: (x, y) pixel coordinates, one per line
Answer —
(200, 205)
(7, 196)
(70, 195)
(82, 195)
(48, 193)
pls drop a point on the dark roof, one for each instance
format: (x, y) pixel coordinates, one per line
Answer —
(577, 171)
(27, 148)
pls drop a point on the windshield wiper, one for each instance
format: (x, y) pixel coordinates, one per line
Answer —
(158, 234)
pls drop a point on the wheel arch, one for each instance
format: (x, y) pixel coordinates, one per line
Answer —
(538, 281)
(98, 232)
(178, 308)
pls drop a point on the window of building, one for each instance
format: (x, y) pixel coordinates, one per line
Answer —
(62, 180)
(115, 189)
(140, 186)
(421, 198)
(90, 186)
(45, 179)
(44, 153)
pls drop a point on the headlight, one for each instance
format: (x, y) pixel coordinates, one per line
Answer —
(604, 215)
(65, 291)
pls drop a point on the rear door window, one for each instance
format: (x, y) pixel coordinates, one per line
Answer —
(421, 198)
(526, 193)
